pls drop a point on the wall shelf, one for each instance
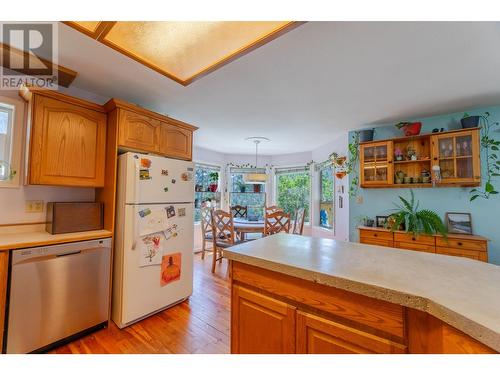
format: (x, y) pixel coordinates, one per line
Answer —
(445, 150)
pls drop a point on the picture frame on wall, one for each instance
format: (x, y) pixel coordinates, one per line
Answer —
(459, 222)
(381, 221)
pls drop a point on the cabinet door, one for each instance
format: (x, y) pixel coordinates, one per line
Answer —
(376, 163)
(316, 335)
(457, 155)
(175, 141)
(138, 132)
(261, 324)
(68, 144)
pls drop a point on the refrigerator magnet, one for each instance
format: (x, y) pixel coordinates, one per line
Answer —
(181, 212)
(144, 212)
(186, 176)
(170, 211)
(165, 189)
(144, 174)
(145, 163)
(164, 172)
(171, 231)
(170, 268)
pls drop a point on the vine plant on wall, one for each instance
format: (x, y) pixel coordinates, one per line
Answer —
(349, 167)
(490, 147)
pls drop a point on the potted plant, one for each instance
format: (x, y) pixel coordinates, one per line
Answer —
(398, 154)
(241, 186)
(366, 135)
(469, 121)
(214, 181)
(409, 128)
(417, 221)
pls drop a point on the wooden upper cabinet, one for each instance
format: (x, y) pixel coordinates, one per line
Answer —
(176, 142)
(376, 164)
(261, 324)
(458, 156)
(67, 142)
(143, 130)
(138, 132)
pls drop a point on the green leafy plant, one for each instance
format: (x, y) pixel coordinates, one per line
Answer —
(490, 147)
(402, 124)
(214, 177)
(241, 186)
(416, 221)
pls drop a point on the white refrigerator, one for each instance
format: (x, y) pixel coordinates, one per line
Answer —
(153, 257)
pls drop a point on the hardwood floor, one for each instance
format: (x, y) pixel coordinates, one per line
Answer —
(198, 325)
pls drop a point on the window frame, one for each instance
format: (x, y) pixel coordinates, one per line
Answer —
(220, 185)
(321, 201)
(305, 168)
(16, 137)
(232, 170)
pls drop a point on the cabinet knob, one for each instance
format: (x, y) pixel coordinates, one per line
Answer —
(435, 158)
(413, 239)
(459, 243)
(390, 161)
(375, 235)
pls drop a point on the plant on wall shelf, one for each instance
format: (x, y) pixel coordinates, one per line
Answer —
(490, 147)
(416, 221)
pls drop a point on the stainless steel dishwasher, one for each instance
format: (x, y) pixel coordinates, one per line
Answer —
(57, 292)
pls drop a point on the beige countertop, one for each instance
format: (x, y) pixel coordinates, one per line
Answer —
(21, 236)
(461, 292)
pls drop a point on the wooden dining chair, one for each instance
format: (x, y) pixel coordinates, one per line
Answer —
(298, 224)
(272, 209)
(207, 234)
(224, 235)
(239, 211)
(276, 222)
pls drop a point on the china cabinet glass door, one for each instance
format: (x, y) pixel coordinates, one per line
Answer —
(457, 155)
(376, 163)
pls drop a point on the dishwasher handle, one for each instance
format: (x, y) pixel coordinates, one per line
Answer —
(70, 253)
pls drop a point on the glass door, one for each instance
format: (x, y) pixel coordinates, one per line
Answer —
(457, 155)
(376, 163)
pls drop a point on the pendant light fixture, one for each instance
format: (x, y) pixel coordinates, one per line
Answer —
(256, 177)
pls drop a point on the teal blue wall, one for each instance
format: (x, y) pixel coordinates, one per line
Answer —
(485, 213)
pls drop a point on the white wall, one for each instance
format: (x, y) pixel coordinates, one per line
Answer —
(12, 200)
(341, 232)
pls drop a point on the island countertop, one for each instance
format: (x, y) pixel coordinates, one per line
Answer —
(461, 292)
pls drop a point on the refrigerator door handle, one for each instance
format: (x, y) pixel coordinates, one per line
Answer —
(137, 174)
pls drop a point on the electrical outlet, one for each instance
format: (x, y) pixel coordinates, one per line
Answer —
(359, 199)
(34, 206)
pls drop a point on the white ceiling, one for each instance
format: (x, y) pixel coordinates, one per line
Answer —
(311, 85)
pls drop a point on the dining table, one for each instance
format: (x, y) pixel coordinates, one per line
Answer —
(243, 226)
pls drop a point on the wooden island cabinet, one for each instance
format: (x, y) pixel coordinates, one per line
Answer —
(274, 313)
(296, 294)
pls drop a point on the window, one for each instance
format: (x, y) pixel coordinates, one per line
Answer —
(293, 189)
(251, 195)
(326, 194)
(11, 113)
(207, 188)
(6, 122)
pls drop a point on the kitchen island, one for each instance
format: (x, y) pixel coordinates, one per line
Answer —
(297, 294)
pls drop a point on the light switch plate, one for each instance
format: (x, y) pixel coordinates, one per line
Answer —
(34, 206)
(359, 199)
